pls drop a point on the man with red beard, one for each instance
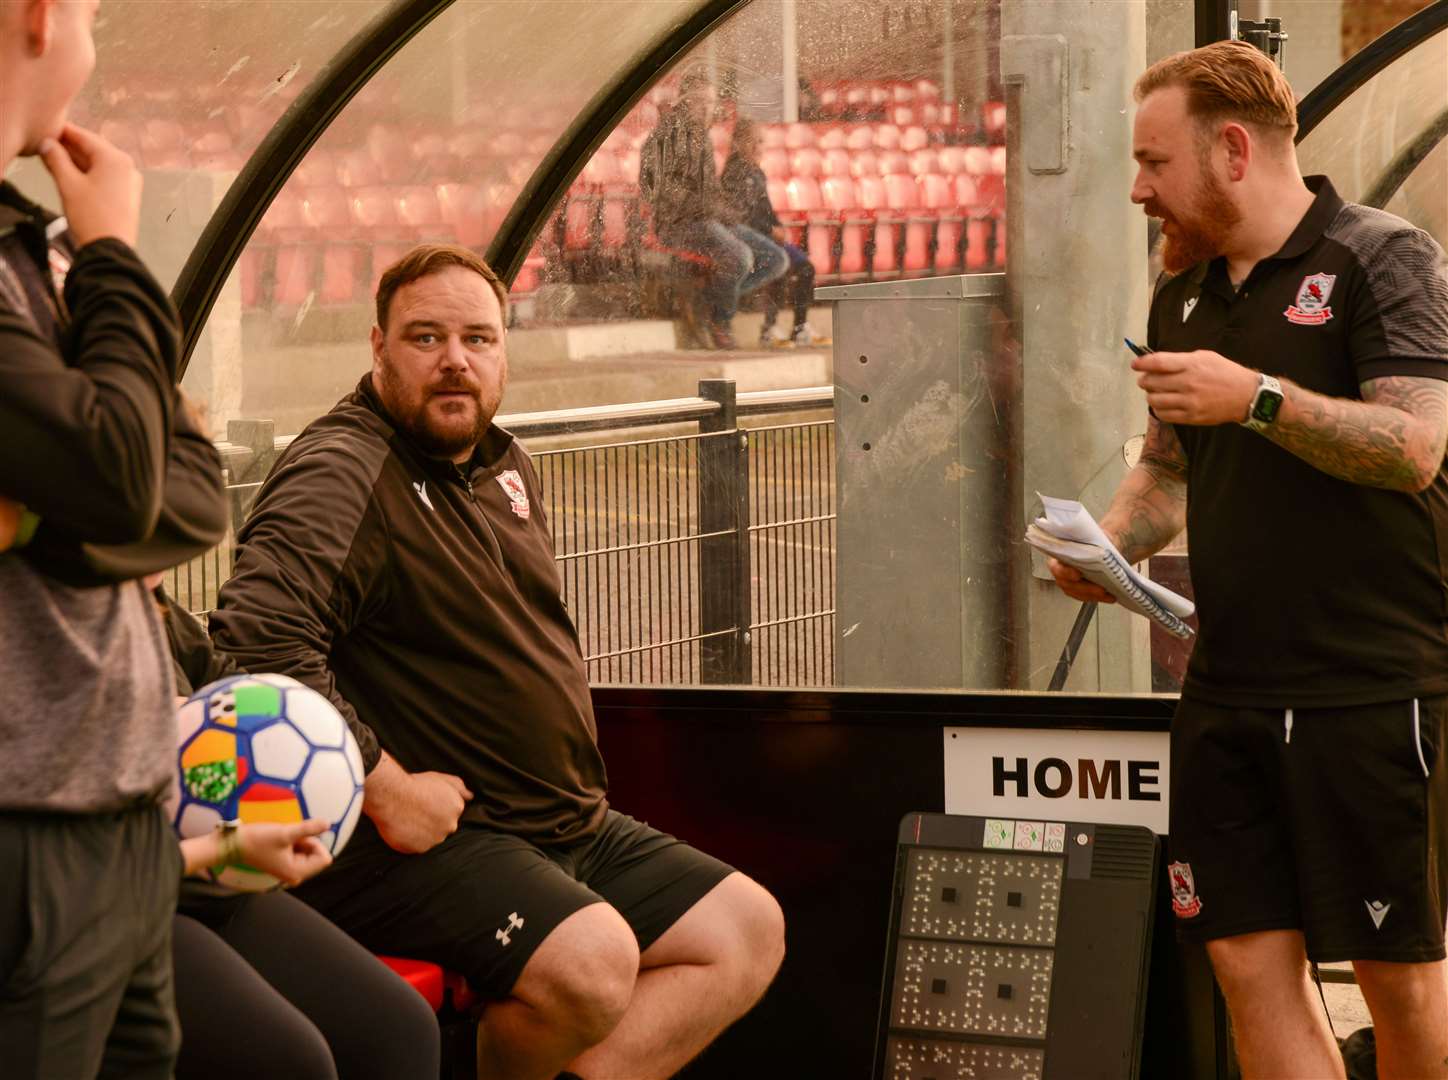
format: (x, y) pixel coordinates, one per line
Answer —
(1297, 392)
(398, 561)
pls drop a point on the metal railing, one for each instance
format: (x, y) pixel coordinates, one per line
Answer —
(705, 555)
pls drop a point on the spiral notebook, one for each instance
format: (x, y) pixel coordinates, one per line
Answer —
(1069, 532)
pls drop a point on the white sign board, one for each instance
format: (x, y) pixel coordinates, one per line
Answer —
(1063, 774)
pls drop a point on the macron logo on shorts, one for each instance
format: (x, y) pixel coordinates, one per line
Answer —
(505, 934)
(1378, 911)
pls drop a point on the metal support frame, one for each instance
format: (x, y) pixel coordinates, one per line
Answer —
(724, 577)
(1339, 86)
(1214, 20)
(271, 164)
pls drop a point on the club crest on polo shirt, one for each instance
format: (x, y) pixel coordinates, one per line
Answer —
(1185, 902)
(1310, 308)
(512, 484)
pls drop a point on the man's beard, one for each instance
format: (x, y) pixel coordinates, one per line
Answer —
(441, 440)
(1213, 217)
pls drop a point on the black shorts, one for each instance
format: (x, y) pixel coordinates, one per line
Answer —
(481, 902)
(1328, 821)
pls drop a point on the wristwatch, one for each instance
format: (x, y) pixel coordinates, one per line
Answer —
(229, 846)
(1266, 403)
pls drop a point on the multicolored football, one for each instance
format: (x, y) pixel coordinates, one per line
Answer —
(264, 748)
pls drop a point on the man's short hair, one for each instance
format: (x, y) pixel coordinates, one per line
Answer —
(1227, 80)
(428, 259)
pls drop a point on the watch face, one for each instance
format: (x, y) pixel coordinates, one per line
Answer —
(1267, 405)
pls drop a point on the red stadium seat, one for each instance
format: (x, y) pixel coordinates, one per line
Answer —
(864, 163)
(976, 160)
(993, 117)
(356, 169)
(422, 976)
(887, 137)
(317, 169)
(929, 113)
(875, 216)
(775, 163)
(436, 986)
(778, 192)
(913, 138)
(799, 136)
(806, 162)
(464, 207)
(832, 138)
(998, 160)
(927, 90)
(860, 138)
(902, 115)
(628, 166)
(902, 93)
(938, 194)
(771, 135)
(952, 159)
(894, 163)
(924, 162)
(836, 163)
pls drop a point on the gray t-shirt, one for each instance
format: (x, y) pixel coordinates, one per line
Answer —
(87, 720)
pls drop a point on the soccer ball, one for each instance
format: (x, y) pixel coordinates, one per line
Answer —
(264, 748)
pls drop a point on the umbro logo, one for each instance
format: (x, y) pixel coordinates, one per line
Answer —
(1188, 307)
(421, 490)
(505, 934)
(1378, 911)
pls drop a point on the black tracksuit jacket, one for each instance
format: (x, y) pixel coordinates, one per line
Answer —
(424, 600)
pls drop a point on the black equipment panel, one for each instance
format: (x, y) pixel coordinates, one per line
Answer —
(1018, 950)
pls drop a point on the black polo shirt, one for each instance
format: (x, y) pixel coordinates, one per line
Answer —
(1311, 590)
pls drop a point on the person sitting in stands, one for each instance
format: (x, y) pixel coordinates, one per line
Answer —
(399, 561)
(747, 190)
(679, 182)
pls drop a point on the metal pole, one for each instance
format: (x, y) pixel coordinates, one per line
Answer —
(947, 77)
(789, 66)
(724, 549)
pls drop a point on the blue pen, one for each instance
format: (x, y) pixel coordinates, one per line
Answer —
(1134, 347)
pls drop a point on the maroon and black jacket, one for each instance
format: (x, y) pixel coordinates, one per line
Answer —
(423, 599)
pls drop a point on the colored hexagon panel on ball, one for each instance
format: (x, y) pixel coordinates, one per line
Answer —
(264, 749)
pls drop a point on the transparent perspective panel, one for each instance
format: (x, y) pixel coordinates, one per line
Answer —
(870, 536)
(1384, 145)
(435, 147)
(802, 145)
(189, 88)
(1322, 34)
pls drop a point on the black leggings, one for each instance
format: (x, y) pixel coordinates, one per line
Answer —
(267, 987)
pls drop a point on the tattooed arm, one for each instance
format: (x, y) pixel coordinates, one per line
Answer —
(1147, 512)
(1394, 438)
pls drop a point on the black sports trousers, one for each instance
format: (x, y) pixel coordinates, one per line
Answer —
(86, 902)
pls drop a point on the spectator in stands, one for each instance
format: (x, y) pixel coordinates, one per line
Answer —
(679, 182)
(398, 560)
(747, 190)
(115, 483)
(248, 964)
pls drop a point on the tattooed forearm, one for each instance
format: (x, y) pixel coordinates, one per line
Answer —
(1150, 506)
(1394, 438)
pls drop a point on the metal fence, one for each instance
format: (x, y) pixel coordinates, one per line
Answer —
(701, 556)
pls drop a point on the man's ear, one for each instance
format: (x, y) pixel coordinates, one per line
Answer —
(1238, 142)
(39, 26)
(379, 345)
